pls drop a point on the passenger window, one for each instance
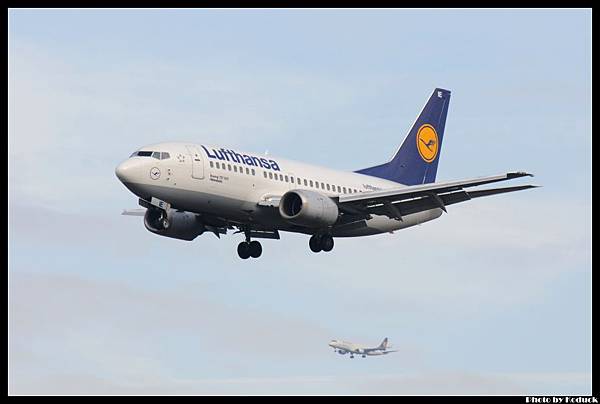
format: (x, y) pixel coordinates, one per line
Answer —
(328, 187)
(265, 174)
(316, 184)
(270, 175)
(211, 164)
(281, 177)
(305, 184)
(229, 167)
(286, 178)
(311, 183)
(292, 180)
(253, 172)
(247, 171)
(235, 169)
(344, 189)
(322, 185)
(339, 189)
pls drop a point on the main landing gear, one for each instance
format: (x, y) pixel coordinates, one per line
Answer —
(321, 242)
(247, 249)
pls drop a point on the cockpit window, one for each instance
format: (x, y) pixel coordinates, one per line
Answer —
(153, 154)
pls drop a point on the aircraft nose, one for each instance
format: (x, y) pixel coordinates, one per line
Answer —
(125, 171)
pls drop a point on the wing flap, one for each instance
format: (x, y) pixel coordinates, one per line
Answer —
(428, 202)
(495, 191)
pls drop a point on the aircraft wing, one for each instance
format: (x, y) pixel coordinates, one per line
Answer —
(397, 202)
(134, 212)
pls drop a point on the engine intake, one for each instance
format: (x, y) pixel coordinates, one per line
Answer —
(173, 223)
(308, 208)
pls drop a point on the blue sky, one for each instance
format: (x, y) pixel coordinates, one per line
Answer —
(493, 298)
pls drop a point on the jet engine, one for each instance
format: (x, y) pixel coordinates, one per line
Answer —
(308, 208)
(173, 223)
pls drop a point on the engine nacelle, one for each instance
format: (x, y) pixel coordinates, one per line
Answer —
(308, 208)
(173, 223)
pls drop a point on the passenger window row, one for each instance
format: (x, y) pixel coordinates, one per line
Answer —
(310, 183)
(234, 168)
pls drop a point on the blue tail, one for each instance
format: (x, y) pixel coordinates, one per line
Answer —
(416, 160)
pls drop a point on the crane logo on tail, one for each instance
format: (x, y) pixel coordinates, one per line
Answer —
(427, 142)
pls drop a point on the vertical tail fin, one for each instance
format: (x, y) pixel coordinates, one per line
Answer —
(384, 344)
(416, 160)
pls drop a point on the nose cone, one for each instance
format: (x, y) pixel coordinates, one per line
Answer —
(121, 171)
(129, 171)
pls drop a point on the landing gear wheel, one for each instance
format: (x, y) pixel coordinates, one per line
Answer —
(315, 243)
(255, 249)
(164, 221)
(327, 243)
(244, 250)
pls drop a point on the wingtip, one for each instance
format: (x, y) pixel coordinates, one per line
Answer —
(518, 174)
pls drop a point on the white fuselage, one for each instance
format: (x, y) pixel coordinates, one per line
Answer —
(343, 347)
(239, 186)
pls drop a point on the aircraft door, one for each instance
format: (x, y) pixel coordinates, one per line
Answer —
(197, 163)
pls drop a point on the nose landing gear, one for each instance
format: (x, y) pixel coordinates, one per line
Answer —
(321, 242)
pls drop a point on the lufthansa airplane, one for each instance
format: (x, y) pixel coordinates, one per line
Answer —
(343, 347)
(187, 189)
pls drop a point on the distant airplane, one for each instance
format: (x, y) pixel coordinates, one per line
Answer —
(187, 189)
(343, 347)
